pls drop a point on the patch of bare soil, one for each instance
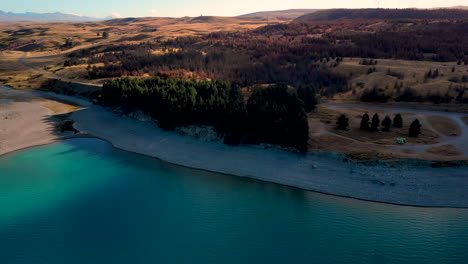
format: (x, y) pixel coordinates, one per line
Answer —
(329, 143)
(58, 107)
(445, 150)
(329, 116)
(465, 119)
(365, 145)
(443, 125)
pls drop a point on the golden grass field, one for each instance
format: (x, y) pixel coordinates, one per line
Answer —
(413, 71)
(50, 38)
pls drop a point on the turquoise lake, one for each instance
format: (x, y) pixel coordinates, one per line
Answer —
(83, 201)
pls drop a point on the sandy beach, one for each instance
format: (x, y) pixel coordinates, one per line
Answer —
(319, 171)
(26, 119)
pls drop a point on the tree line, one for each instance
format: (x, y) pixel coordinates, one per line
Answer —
(272, 115)
(402, 14)
(374, 124)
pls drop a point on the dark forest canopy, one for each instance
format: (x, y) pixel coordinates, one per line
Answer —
(381, 13)
(279, 53)
(273, 115)
(411, 40)
(257, 63)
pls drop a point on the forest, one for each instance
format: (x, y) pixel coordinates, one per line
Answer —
(382, 13)
(272, 115)
(204, 58)
(279, 53)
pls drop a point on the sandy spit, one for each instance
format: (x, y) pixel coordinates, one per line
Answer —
(23, 123)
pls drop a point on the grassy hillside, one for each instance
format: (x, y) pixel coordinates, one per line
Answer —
(26, 36)
(391, 61)
(405, 81)
(290, 13)
(377, 13)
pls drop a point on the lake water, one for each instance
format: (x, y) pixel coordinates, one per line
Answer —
(83, 201)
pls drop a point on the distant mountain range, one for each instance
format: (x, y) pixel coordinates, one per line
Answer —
(47, 17)
(290, 13)
(382, 13)
(305, 14)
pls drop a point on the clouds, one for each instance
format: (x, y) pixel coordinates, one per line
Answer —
(116, 15)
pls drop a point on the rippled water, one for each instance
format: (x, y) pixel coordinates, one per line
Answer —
(83, 201)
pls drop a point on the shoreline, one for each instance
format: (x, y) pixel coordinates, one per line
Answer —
(28, 120)
(319, 172)
(231, 175)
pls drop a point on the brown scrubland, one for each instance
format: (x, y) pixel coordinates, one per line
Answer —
(255, 52)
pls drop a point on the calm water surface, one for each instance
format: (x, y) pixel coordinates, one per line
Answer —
(83, 201)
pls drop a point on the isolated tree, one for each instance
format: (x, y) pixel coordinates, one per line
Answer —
(365, 122)
(398, 121)
(387, 123)
(415, 128)
(68, 43)
(98, 34)
(429, 74)
(375, 122)
(105, 34)
(343, 122)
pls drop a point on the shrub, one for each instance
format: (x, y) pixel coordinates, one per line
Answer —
(398, 75)
(373, 95)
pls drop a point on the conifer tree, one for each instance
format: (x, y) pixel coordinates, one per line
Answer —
(343, 122)
(398, 121)
(415, 128)
(365, 122)
(387, 123)
(375, 122)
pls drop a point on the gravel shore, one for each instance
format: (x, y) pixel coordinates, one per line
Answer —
(322, 172)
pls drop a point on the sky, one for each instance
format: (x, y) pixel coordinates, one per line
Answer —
(178, 8)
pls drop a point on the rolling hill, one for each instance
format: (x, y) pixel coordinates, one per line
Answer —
(290, 13)
(453, 7)
(377, 13)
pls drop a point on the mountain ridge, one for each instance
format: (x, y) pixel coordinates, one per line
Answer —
(47, 17)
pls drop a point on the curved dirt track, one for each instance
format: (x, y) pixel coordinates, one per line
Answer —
(460, 141)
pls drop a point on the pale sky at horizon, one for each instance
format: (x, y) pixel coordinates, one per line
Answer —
(138, 8)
